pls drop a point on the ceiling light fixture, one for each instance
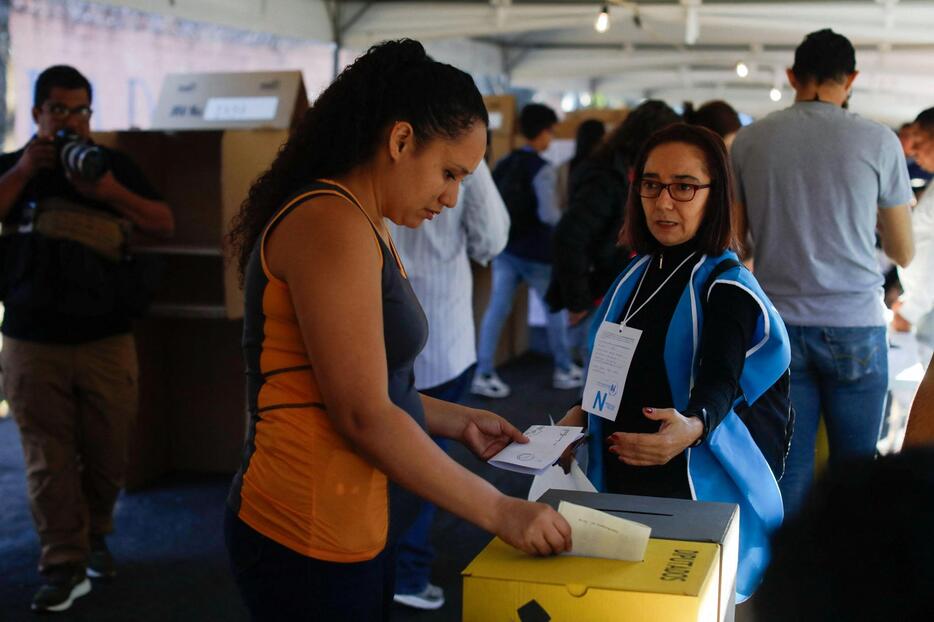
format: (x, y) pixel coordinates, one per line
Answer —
(603, 20)
(741, 69)
(775, 95)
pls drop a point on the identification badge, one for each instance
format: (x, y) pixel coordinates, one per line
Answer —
(612, 354)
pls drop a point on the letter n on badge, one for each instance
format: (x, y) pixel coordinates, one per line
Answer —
(599, 401)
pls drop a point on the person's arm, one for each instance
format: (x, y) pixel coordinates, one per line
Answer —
(545, 186)
(739, 215)
(38, 154)
(326, 252)
(920, 430)
(148, 215)
(895, 230)
(743, 239)
(895, 197)
(730, 319)
(483, 432)
(729, 323)
(917, 280)
(485, 218)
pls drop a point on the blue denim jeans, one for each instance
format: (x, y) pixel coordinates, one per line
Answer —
(842, 374)
(415, 552)
(508, 272)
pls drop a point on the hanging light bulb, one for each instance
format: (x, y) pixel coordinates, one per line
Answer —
(775, 95)
(603, 20)
(741, 69)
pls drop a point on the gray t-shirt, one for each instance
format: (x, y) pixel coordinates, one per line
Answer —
(812, 178)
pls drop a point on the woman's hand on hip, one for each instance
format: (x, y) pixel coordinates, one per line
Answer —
(534, 528)
(676, 434)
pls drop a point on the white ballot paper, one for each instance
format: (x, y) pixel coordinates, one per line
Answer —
(598, 534)
(555, 477)
(545, 446)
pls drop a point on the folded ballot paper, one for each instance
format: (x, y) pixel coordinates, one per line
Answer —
(598, 534)
(545, 446)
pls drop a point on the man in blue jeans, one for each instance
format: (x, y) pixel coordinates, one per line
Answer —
(527, 183)
(814, 180)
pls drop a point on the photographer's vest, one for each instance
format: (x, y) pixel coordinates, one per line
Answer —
(301, 484)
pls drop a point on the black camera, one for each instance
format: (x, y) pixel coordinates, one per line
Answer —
(79, 157)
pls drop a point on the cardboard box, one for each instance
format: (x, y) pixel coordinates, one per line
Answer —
(689, 571)
(611, 117)
(502, 113)
(213, 135)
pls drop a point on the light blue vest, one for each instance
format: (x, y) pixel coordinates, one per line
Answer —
(728, 467)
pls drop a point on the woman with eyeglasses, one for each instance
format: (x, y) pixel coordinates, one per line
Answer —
(673, 352)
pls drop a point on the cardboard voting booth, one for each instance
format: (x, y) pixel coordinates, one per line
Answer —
(212, 135)
(503, 125)
(689, 570)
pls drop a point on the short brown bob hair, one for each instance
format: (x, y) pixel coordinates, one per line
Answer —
(715, 233)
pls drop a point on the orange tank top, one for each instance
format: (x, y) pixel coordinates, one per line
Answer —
(300, 483)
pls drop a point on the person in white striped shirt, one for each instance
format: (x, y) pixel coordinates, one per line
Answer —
(437, 258)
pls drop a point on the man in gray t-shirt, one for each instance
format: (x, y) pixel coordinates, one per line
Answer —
(814, 180)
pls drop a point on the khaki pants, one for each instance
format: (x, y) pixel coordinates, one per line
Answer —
(74, 405)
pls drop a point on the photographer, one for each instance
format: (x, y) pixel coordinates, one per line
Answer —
(70, 290)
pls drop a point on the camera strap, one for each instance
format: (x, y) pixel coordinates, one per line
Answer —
(103, 233)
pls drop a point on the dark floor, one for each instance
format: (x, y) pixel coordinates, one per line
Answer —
(169, 541)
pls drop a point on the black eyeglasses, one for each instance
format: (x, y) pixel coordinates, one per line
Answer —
(677, 190)
(61, 111)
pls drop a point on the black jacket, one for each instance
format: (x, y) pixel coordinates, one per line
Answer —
(586, 256)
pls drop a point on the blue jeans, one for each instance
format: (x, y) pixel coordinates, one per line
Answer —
(842, 374)
(508, 272)
(415, 553)
(277, 583)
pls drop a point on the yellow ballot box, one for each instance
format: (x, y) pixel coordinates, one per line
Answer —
(689, 570)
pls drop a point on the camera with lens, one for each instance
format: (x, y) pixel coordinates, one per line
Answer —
(79, 157)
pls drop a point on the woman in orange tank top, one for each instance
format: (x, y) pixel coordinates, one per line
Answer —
(338, 438)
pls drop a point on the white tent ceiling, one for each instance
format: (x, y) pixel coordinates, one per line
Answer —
(671, 49)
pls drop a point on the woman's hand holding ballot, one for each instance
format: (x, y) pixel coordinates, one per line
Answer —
(534, 528)
(676, 434)
(482, 432)
(486, 433)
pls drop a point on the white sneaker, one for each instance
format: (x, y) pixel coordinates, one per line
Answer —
(573, 378)
(432, 597)
(489, 385)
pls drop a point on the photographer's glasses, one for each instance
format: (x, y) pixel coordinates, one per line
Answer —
(61, 111)
(678, 190)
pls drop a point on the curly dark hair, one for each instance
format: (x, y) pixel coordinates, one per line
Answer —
(626, 140)
(393, 81)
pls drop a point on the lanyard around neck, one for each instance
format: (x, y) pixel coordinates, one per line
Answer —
(658, 289)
